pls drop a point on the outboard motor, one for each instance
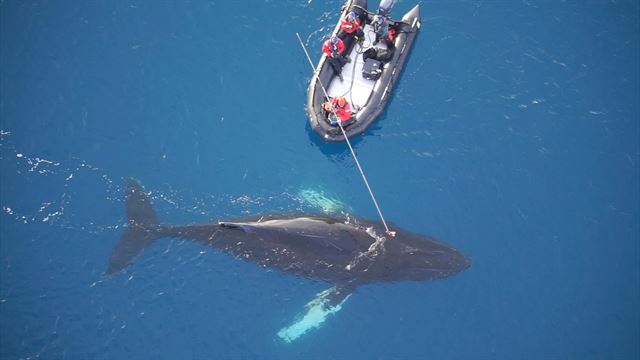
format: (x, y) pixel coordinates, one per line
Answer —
(385, 7)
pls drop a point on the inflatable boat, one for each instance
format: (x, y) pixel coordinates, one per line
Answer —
(367, 95)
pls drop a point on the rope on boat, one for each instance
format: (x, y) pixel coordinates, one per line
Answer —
(346, 138)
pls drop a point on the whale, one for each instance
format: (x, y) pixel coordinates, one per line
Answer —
(346, 253)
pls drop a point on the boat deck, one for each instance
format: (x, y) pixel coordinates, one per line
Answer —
(355, 88)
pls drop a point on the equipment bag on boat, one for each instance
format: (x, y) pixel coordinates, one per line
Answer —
(372, 69)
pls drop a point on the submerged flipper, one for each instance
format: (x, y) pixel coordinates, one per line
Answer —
(142, 227)
(316, 311)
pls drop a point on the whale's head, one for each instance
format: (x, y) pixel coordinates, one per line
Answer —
(418, 257)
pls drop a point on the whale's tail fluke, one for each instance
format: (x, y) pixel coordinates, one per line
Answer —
(142, 227)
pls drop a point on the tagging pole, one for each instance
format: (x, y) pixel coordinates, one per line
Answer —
(346, 138)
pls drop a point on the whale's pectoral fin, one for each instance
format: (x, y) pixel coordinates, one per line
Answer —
(316, 311)
(336, 295)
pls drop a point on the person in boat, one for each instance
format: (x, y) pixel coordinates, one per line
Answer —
(385, 7)
(337, 106)
(335, 48)
(382, 55)
(384, 31)
(350, 26)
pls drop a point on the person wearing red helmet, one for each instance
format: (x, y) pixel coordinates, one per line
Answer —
(340, 107)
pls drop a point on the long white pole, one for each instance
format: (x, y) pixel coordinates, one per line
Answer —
(346, 138)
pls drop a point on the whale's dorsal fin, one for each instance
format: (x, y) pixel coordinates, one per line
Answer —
(238, 226)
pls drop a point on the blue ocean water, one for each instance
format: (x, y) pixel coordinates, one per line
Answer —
(513, 135)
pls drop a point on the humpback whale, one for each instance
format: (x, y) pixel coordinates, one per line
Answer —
(345, 253)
